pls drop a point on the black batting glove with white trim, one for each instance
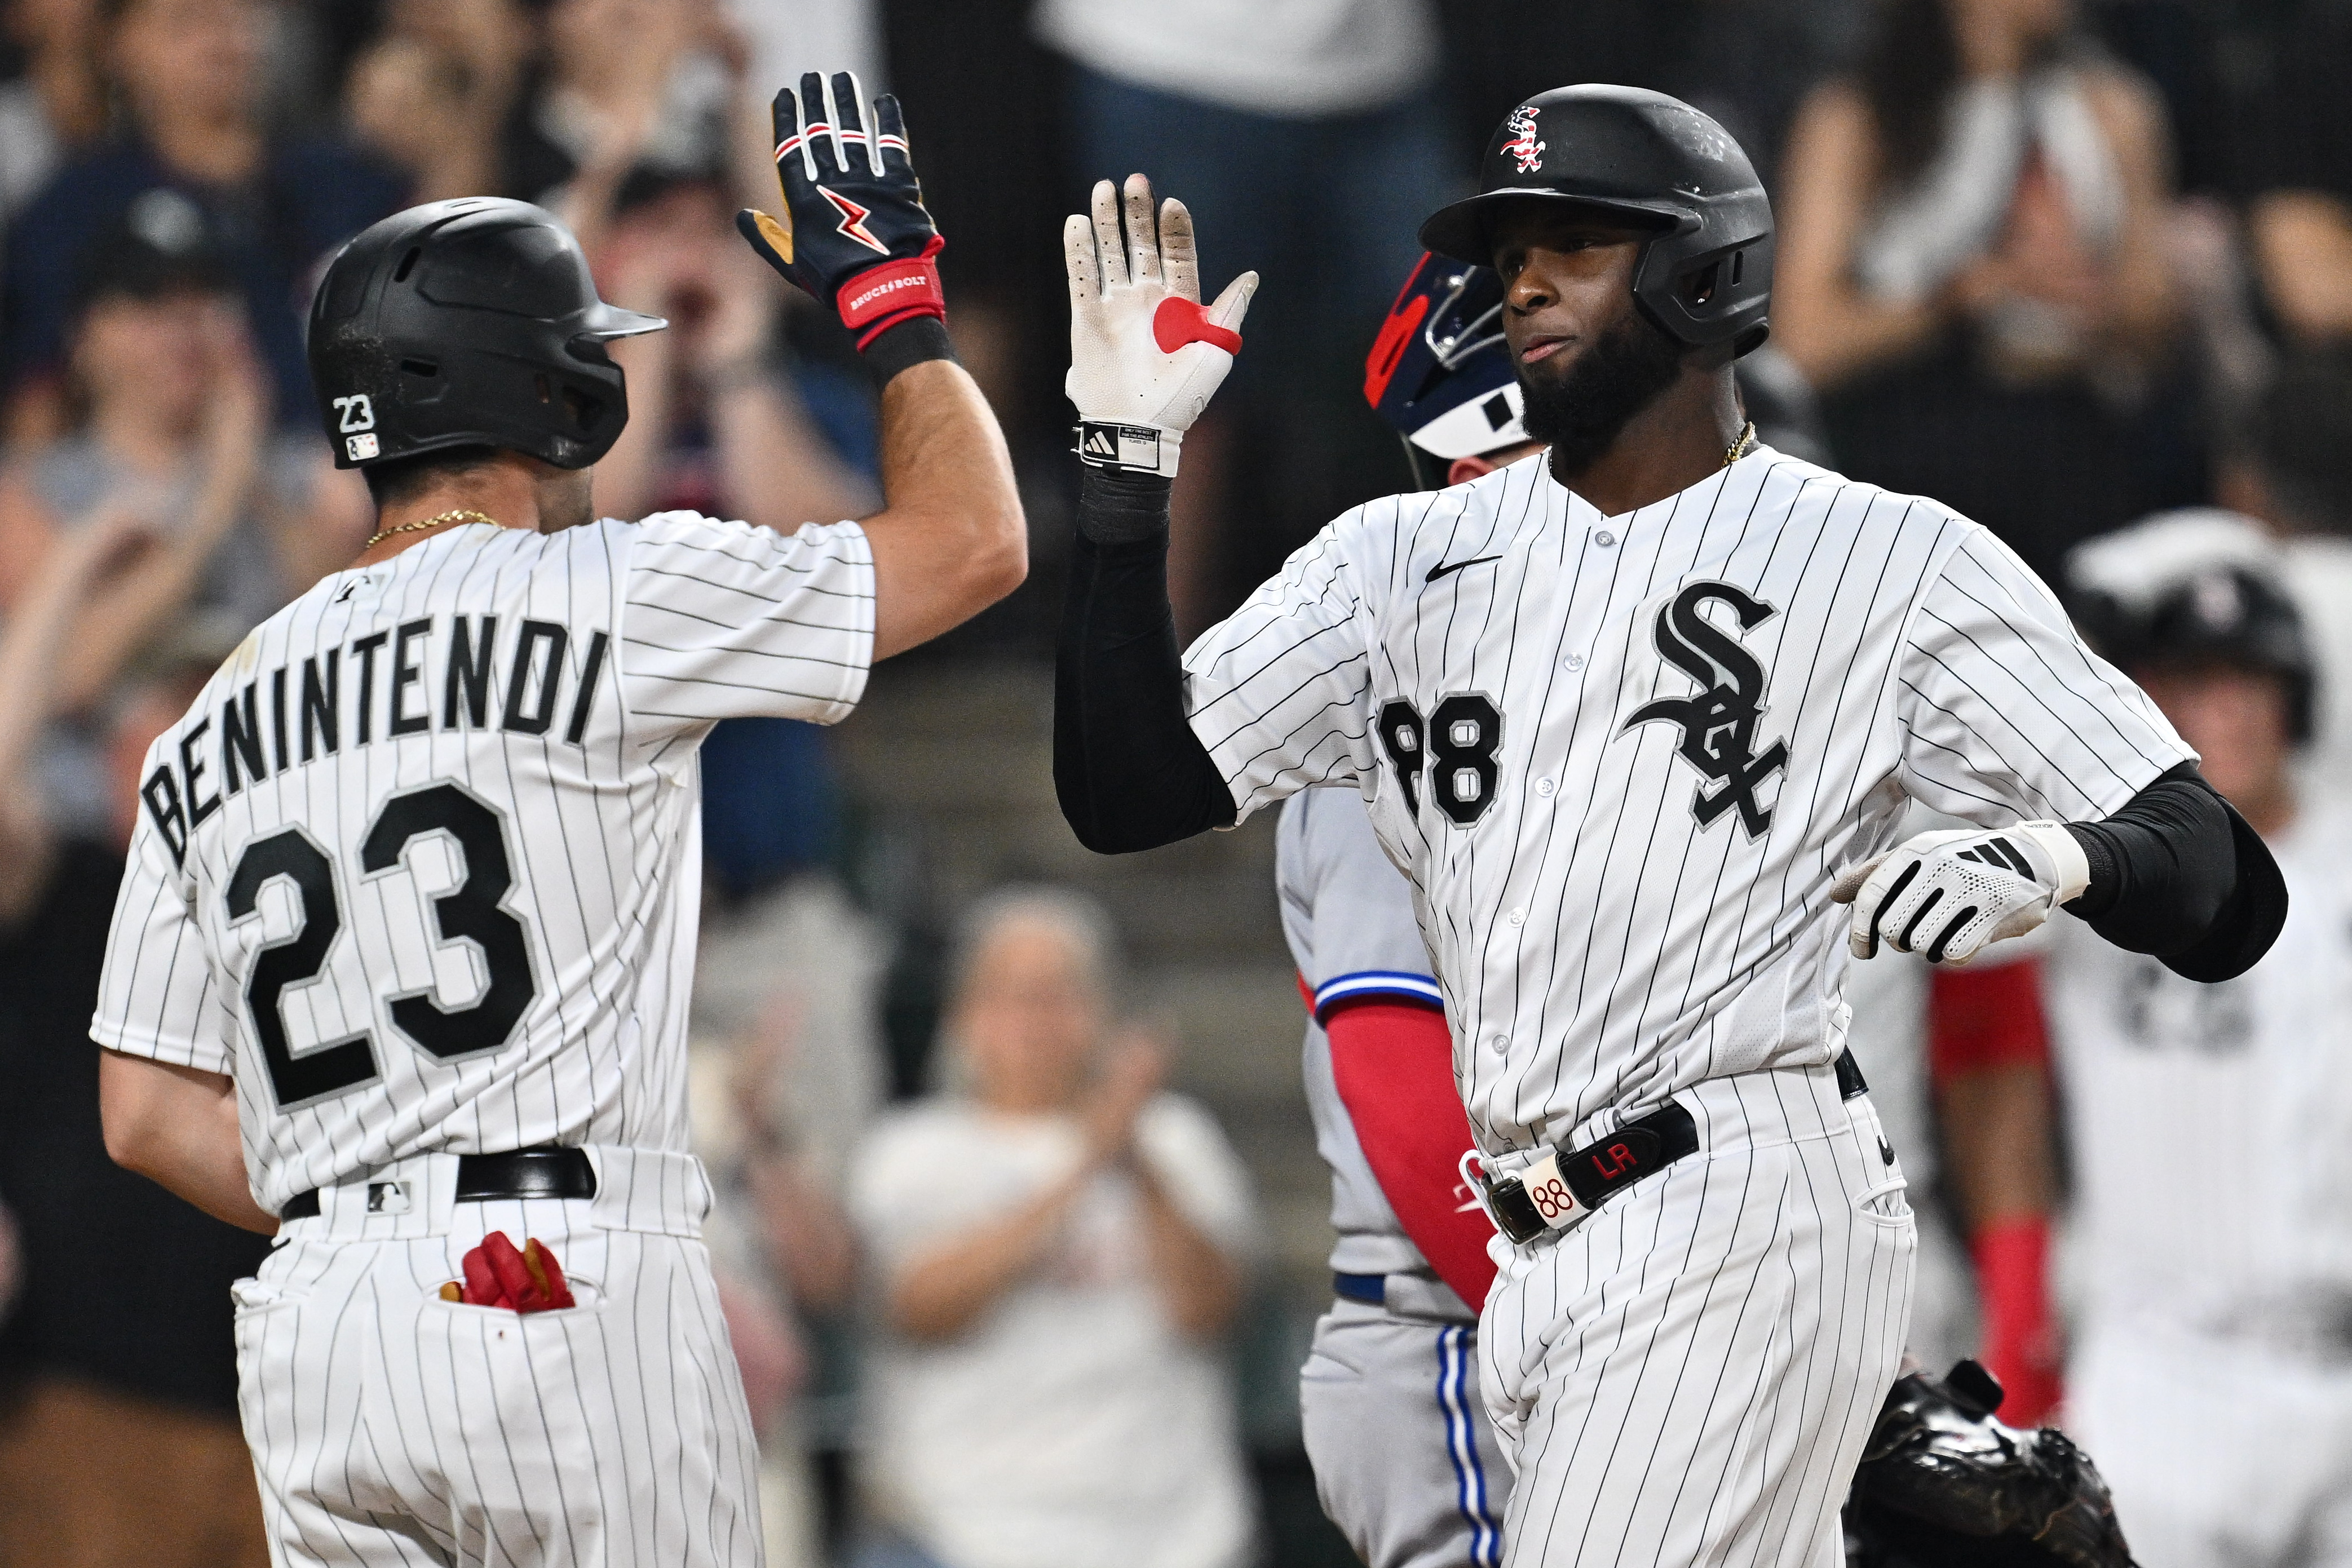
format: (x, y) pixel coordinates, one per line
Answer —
(1951, 894)
(859, 240)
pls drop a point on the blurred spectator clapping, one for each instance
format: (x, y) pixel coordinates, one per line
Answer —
(67, 631)
(120, 1426)
(57, 105)
(1056, 1251)
(642, 90)
(2303, 211)
(1980, 166)
(172, 417)
(432, 93)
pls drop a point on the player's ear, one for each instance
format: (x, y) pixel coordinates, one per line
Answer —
(1465, 469)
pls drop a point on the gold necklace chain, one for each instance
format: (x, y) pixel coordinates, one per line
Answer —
(462, 515)
(1740, 444)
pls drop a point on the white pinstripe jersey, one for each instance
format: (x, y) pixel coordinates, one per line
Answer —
(1621, 759)
(420, 866)
(2213, 1177)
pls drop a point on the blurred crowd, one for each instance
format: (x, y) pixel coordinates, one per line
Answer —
(2061, 264)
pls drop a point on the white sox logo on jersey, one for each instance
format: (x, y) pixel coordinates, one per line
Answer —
(1719, 723)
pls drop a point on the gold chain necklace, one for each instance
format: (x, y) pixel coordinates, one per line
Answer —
(462, 515)
(1740, 444)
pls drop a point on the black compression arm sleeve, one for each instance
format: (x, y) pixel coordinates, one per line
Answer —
(2176, 873)
(1127, 769)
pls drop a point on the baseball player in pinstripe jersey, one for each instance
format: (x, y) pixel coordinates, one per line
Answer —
(2210, 1366)
(1634, 717)
(399, 970)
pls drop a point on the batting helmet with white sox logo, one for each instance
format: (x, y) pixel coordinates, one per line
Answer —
(1705, 273)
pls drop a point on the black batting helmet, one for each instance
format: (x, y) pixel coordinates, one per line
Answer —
(1706, 275)
(470, 322)
(2221, 613)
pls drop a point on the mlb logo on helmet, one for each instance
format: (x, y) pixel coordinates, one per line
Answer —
(1523, 149)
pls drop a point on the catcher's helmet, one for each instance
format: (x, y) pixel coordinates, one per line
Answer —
(1439, 373)
(2225, 612)
(470, 322)
(1706, 275)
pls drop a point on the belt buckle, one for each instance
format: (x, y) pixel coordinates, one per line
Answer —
(1528, 1204)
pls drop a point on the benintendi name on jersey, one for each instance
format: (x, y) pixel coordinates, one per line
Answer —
(301, 716)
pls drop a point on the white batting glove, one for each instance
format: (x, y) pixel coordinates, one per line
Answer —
(1144, 355)
(1951, 894)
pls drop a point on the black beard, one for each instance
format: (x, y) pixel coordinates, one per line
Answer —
(1580, 414)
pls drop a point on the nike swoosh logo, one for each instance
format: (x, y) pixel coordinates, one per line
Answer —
(1437, 572)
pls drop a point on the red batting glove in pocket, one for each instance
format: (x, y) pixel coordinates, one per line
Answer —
(498, 1275)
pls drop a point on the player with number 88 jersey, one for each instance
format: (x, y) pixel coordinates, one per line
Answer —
(1635, 717)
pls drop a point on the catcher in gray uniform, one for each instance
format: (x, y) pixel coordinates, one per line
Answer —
(1404, 1458)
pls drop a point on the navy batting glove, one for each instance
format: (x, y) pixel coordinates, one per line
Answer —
(860, 240)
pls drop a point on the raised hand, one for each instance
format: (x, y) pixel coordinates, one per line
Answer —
(1133, 1069)
(859, 238)
(1145, 357)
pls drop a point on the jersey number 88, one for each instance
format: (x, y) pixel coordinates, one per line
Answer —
(1457, 746)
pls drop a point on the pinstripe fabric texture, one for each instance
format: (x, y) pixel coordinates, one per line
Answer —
(1621, 760)
(563, 682)
(1689, 1376)
(391, 1427)
(1601, 943)
(419, 870)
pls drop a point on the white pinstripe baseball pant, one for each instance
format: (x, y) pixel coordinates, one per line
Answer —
(391, 1427)
(1688, 1377)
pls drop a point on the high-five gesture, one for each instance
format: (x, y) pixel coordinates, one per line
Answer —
(1144, 356)
(860, 239)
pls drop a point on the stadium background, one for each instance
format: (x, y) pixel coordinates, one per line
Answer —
(155, 150)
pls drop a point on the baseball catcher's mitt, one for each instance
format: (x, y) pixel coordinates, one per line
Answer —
(1944, 1485)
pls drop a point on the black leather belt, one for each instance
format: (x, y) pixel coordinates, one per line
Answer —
(518, 1173)
(1634, 1153)
(1373, 1290)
